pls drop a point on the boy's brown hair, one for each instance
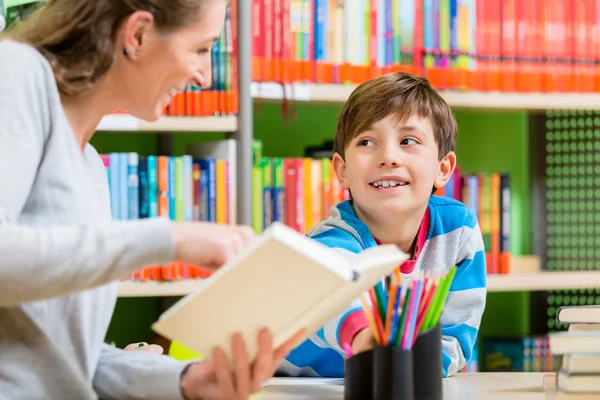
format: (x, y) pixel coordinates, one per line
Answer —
(399, 94)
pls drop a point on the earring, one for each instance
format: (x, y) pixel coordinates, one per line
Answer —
(136, 52)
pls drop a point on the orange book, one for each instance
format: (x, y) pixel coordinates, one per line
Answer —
(163, 185)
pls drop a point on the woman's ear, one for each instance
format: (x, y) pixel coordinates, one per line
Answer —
(445, 170)
(339, 166)
(136, 30)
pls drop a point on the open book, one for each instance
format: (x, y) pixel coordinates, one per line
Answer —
(284, 281)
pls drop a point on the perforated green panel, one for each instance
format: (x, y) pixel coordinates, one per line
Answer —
(572, 202)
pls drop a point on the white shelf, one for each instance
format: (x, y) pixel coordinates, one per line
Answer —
(534, 281)
(543, 280)
(483, 100)
(123, 122)
(158, 289)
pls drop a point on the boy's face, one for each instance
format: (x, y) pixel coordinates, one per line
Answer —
(392, 167)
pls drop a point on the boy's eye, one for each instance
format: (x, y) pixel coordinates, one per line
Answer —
(365, 142)
(409, 141)
(203, 51)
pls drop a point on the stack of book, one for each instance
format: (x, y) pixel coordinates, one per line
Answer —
(580, 349)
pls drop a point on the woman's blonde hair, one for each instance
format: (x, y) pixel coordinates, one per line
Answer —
(77, 37)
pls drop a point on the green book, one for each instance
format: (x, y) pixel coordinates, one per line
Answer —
(257, 199)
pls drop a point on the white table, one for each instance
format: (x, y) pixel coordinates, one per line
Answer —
(486, 386)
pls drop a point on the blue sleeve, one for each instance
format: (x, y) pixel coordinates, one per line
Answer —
(465, 303)
(322, 353)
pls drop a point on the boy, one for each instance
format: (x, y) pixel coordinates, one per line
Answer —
(394, 146)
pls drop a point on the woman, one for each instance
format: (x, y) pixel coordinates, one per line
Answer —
(60, 253)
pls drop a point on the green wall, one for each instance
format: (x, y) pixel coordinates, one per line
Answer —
(487, 140)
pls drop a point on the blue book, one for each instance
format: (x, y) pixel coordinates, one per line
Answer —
(144, 193)
(152, 162)
(133, 185)
(209, 164)
(321, 24)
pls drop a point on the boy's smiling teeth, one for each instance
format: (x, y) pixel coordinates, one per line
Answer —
(387, 183)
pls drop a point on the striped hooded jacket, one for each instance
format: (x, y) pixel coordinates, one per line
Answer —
(449, 235)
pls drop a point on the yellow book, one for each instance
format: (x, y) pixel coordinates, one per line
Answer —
(308, 196)
(221, 178)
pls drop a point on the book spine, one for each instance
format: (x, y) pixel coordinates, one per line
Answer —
(212, 190)
(196, 191)
(144, 192)
(278, 190)
(172, 188)
(114, 161)
(257, 199)
(307, 203)
(221, 192)
(316, 187)
(290, 193)
(505, 196)
(124, 185)
(257, 40)
(495, 216)
(152, 163)
(204, 192)
(188, 190)
(485, 215)
(267, 191)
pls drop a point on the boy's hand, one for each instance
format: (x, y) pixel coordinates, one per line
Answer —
(362, 341)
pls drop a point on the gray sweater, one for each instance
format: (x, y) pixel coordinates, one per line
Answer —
(61, 253)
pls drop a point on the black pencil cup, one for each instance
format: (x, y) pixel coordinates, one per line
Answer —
(427, 365)
(358, 381)
(392, 374)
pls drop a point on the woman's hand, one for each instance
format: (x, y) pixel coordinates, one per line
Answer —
(209, 245)
(143, 346)
(213, 379)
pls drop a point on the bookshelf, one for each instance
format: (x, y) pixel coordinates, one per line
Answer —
(515, 282)
(128, 123)
(543, 280)
(333, 93)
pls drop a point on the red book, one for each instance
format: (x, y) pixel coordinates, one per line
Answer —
(267, 38)
(509, 45)
(277, 39)
(257, 39)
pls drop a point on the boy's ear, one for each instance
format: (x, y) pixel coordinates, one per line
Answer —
(339, 166)
(446, 168)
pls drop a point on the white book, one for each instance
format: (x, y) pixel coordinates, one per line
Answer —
(284, 281)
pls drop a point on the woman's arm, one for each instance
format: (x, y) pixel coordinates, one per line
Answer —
(42, 262)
